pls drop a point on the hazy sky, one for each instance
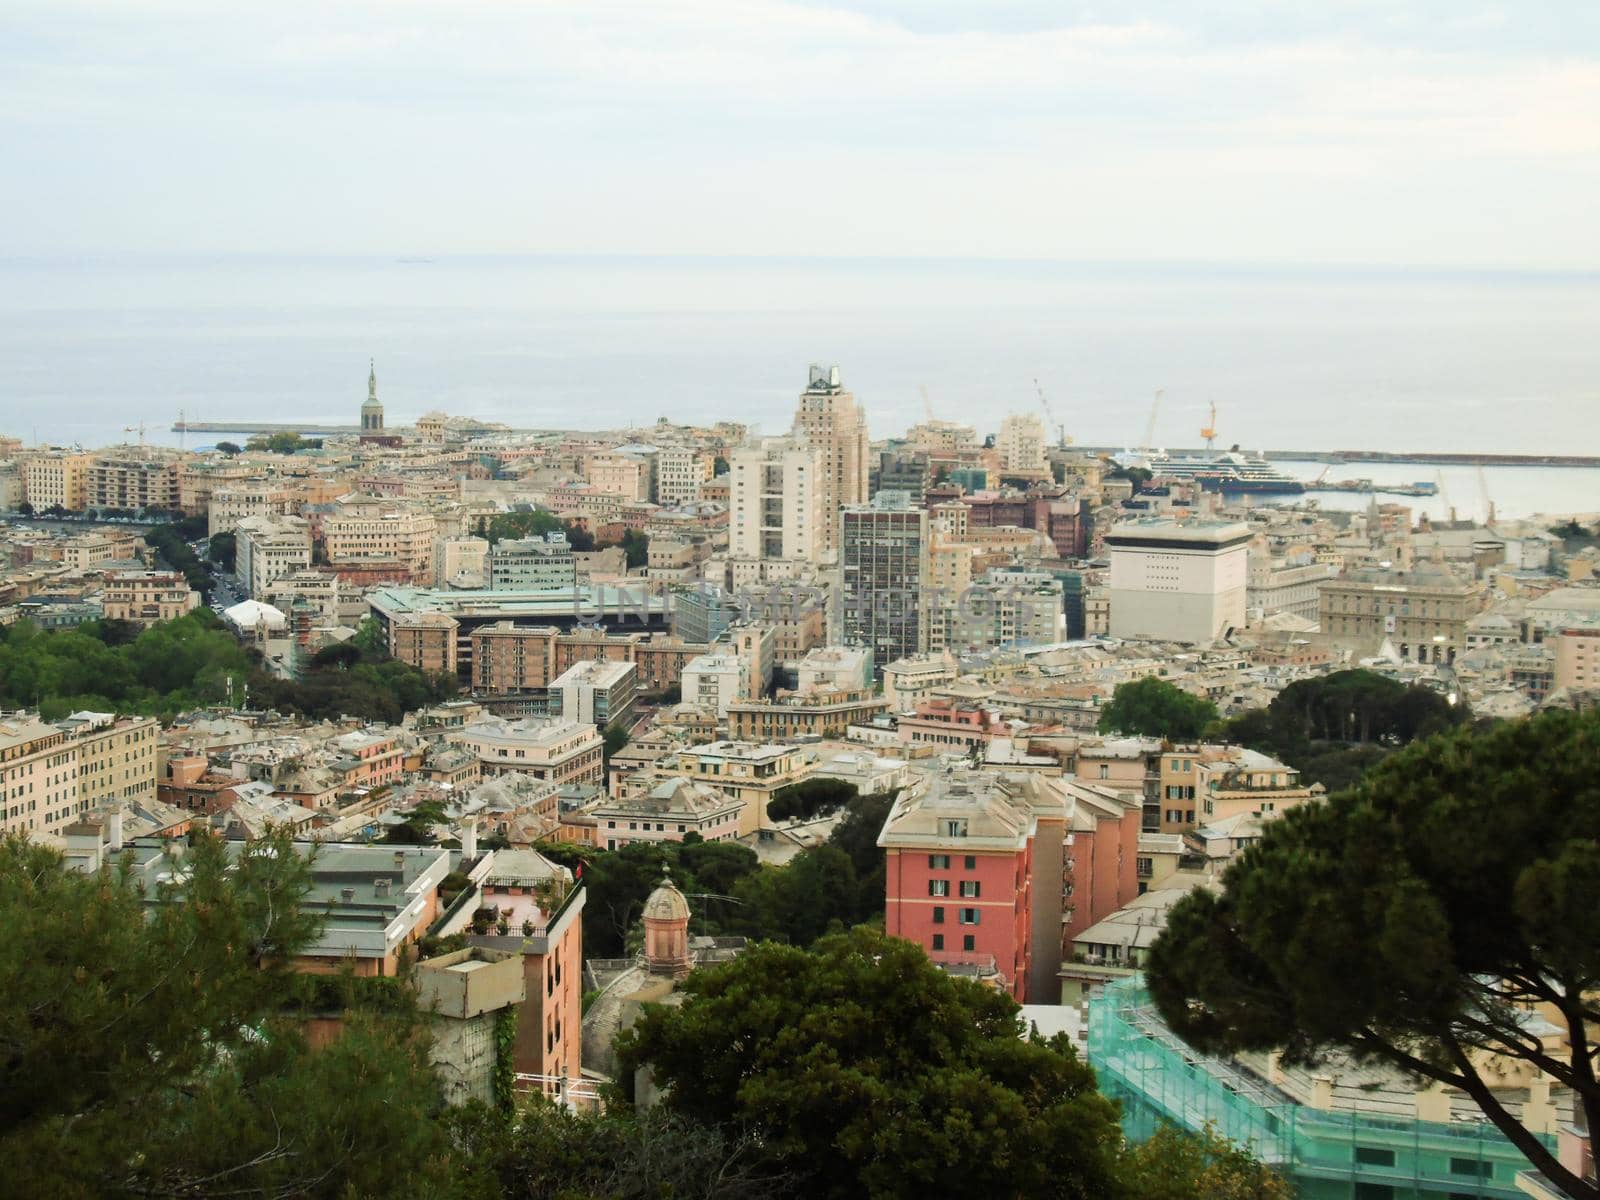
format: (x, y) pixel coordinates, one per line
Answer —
(1445, 132)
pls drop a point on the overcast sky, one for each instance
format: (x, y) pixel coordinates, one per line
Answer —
(1441, 132)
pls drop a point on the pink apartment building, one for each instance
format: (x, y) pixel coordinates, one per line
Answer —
(992, 871)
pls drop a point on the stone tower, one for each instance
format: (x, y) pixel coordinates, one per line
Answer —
(666, 930)
(372, 410)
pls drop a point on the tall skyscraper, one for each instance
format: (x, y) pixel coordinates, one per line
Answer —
(829, 419)
(776, 502)
(883, 561)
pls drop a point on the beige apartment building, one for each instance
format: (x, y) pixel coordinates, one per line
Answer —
(146, 597)
(1577, 658)
(356, 539)
(680, 470)
(118, 758)
(133, 479)
(49, 480)
(750, 772)
(38, 776)
(625, 475)
(1423, 612)
(551, 749)
(778, 507)
(232, 503)
(1022, 442)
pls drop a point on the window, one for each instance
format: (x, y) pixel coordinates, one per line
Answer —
(938, 862)
(938, 914)
(969, 916)
(956, 827)
(968, 942)
(1374, 1156)
(940, 887)
(938, 941)
(1472, 1166)
(972, 862)
(1105, 771)
(969, 889)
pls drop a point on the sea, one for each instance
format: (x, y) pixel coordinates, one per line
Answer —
(92, 348)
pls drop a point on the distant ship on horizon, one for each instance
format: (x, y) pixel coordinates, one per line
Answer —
(1231, 472)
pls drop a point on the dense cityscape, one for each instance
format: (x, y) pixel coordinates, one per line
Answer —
(563, 749)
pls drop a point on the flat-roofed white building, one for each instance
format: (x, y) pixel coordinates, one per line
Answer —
(1178, 581)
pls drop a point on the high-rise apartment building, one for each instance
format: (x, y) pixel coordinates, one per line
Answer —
(883, 559)
(829, 419)
(778, 507)
(1178, 581)
(1022, 444)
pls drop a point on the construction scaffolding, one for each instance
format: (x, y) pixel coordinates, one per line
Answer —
(1329, 1155)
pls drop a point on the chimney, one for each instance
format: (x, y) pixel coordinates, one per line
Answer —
(381, 887)
(347, 894)
(400, 860)
(114, 829)
(469, 839)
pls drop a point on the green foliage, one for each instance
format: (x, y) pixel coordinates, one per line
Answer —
(147, 1050)
(810, 798)
(522, 525)
(1152, 707)
(614, 738)
(231, 449)
(1138, 476)
(417, 828)
(834, 886)
(504, 1077)
(281, 443)
(810, 1050)
(1336, 727)
(547, 1153)
(355, 678)
(1176, 1165)
(169, 667)
(635, 545)
(222, 549)
(1414, 918)
(180, 556)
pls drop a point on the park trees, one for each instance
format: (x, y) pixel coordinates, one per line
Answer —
(813, 1051)
(1152, 707)
(1416, 919)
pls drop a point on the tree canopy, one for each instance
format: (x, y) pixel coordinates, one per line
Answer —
(1415, 919)
(1152, 707)
(812, 1051)
(152, 1049)
(287, 442)
(1333, 728)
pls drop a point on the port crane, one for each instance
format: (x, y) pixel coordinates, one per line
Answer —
(139, 429)
(1062, 440)
(1209, 429)
(1150, 425)
(927, 404)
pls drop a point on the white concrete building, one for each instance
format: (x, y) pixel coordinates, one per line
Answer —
(1178, 581)
(715, 681)
(593, 692)
(776, 496)
(268, 548)
(680, 470)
